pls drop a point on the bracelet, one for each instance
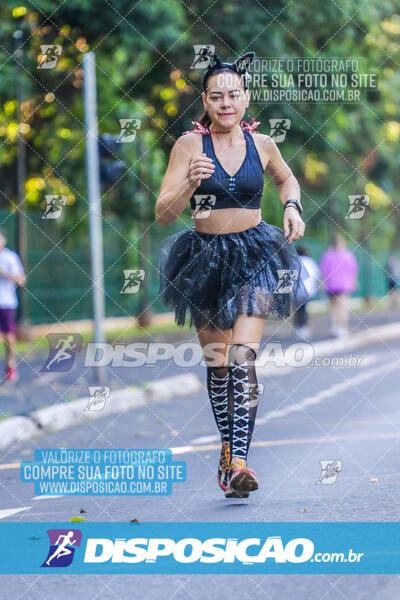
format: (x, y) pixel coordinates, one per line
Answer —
(295, 203)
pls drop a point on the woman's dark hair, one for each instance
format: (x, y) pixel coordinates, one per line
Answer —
(239, 66)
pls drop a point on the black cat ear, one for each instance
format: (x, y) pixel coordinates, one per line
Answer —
(242, 64)
(215, 61)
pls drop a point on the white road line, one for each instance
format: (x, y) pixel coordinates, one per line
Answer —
(47, 497)
(205, 439)
(7, 512)
(294, 441)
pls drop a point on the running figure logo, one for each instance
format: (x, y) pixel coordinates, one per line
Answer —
(287, 277)
(279, 129)
(62, 351)
(62, 547)
(329, 471)
(357, 207)
(202, 56)
(54, 204)
(254, 390)
(204, 204)
(49, 55)
(98, 397)
(133, 279)
(129, 128)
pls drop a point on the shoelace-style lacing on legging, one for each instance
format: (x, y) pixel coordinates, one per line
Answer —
(217, 385)
(243, 394)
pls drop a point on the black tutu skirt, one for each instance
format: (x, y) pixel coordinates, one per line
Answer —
(217, 277)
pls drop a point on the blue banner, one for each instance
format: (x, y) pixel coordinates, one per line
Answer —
(256, 547)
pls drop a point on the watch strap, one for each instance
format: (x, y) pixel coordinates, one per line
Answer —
(296, 203)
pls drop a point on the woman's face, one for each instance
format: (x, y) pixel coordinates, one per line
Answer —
(226, 100)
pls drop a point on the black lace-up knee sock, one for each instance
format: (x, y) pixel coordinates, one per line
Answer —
(243, 399)
(217, 386)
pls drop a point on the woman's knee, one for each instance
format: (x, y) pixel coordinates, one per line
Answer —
(242, 353)
(215, 345)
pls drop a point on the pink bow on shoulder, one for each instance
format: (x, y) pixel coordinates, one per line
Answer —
(198, 128)
(252, 128)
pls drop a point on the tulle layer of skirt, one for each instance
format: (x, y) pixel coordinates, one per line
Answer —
(217, 277)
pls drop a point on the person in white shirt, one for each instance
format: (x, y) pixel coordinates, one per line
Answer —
(11, 274)
(300, 320)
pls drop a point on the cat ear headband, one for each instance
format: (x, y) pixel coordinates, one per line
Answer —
(239, 66)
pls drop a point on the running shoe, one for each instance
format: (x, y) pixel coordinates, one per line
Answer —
(241, 480)
(223, 467)
(12, 374)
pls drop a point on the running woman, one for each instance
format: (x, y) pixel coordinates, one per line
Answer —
(232, 269)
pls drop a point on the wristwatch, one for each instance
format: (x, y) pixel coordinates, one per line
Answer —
(296, 203)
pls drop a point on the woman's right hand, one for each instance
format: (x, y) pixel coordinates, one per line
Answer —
(200, 168)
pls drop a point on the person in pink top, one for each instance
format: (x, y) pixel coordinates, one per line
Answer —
(339, 270)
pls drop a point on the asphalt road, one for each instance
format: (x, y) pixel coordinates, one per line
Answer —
(351, 414)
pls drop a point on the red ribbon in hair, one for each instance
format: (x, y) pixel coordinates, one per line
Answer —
(198, 127)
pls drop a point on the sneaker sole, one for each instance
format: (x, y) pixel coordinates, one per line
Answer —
(230, 493)
(242, 482)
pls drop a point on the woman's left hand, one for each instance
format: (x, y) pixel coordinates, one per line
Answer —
(293, 224)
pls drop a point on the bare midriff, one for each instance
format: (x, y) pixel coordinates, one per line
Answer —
(228, 220)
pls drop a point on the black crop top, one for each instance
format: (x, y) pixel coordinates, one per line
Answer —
(243, 190)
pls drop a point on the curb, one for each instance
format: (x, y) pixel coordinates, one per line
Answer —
(61, 416)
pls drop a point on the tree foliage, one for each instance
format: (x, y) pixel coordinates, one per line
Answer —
(144, 51)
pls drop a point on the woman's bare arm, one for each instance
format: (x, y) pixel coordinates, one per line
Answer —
(181, 179)
(175, 189)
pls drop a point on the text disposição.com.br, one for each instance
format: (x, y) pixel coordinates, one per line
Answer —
(211, 550)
